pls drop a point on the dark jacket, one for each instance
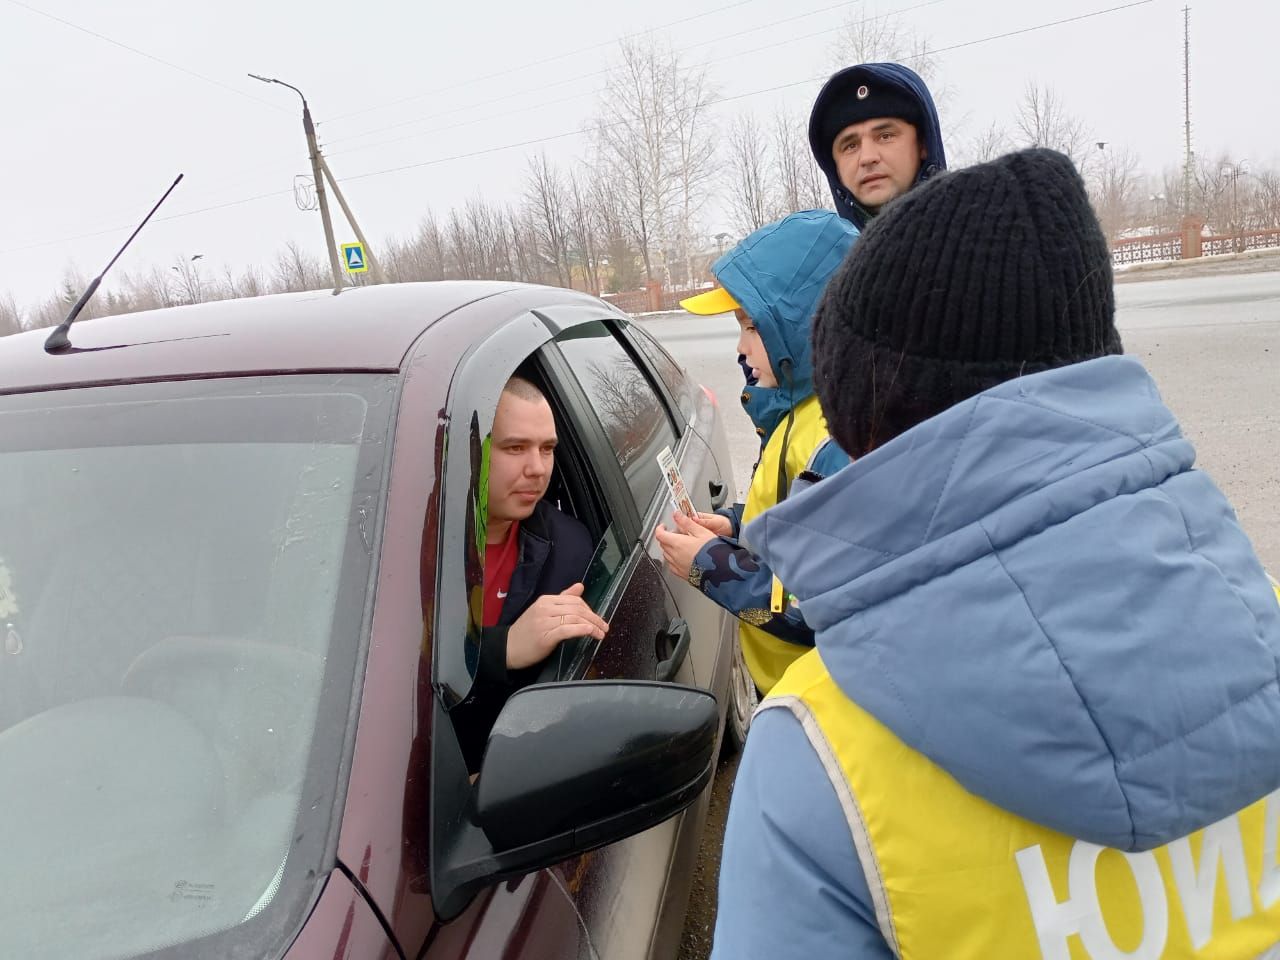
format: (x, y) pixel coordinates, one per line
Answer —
(843, 84)
(555, 549)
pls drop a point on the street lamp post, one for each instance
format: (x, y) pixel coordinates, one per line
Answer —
(317, 174)
(1156, 200)
(1236, 227)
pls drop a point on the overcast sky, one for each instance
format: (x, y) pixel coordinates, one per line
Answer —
(94, 132)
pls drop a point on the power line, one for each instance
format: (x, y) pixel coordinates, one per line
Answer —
(538, 63)
(596, 92)
(754, 93)
(245, 174)
(143, 53)
(599, 73)
(435, 161)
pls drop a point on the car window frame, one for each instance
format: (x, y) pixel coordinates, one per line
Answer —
(473, 393)
(527, 337)
(571, 318)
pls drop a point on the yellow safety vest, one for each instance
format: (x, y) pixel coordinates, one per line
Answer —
(766, 656)
(953, 877)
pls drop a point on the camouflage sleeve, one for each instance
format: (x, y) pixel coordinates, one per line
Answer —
(734, 515)
(740, 582)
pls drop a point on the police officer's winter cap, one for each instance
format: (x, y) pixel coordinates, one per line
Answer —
(855, 96)
(971, 279)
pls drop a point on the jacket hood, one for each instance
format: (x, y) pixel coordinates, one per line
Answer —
(778, 274)
(906, 81)
(1036, 590)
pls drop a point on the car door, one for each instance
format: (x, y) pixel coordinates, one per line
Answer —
(616, 893)
(705, 465)
(631, 415)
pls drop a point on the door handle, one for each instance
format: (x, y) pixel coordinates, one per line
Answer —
(719, 493)
(676, 639)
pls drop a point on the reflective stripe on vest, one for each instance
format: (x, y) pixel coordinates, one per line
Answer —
(954, 876)
(766, 656)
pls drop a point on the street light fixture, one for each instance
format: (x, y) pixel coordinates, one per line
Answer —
(1156, 200)
(1234, 170)
(313, 150)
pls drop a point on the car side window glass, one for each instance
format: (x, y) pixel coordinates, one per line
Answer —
(668, 369)
(634, 418)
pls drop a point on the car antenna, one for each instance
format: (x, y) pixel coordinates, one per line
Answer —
(58, 340)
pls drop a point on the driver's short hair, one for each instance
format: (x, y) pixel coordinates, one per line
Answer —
(524, 389)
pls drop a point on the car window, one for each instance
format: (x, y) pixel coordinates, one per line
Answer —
(634, 419)
(668, 369)
(571, 490)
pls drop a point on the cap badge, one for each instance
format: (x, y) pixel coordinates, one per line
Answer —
(863, 92)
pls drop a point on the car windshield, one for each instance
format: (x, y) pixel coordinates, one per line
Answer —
(183, 577)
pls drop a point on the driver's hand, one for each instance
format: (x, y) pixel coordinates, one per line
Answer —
(550, 621)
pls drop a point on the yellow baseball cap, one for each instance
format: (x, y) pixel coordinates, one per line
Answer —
(711, 303)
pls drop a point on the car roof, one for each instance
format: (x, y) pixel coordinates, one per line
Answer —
(363, 329)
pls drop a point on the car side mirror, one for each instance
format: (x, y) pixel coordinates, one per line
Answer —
(570, 767)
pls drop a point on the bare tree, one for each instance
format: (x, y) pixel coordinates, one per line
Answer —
(526, 264)
(10, 318)
(626, 268)
(748, 175)
(1043, 121)
(1115, 191)
(989, 144)
(631, 141)
(424, 256)
(1212, 193)
(800, 181)
(887, 37)
(584, 233)
(1268, 199)
(53, 310)
(296, 270)
(693, 144)
(655, 141)
(547, 204)
(188, 285)
(463, 259)
(250, 283)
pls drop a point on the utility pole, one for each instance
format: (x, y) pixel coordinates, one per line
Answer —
(319, 172)
(375, 268)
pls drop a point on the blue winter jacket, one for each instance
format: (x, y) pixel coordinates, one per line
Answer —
(843, 84)
(1038, 591)
(777, 274)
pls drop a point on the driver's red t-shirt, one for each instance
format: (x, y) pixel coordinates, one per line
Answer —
(499, 563)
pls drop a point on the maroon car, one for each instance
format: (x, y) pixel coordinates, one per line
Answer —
(239, 598)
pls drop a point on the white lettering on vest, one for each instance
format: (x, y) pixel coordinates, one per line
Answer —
(1222, 843)
(1269, 879)
(1081, 912)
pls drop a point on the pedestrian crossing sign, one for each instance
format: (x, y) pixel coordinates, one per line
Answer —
(354, 257)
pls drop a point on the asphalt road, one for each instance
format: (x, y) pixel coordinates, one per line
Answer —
(1211, 342)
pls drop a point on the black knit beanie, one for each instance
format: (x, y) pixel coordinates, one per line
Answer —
(969, 280)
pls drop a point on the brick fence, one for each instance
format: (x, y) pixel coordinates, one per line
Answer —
(654, 298)
(1189, 244)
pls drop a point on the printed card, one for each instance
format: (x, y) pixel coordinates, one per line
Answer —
(675, 484)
